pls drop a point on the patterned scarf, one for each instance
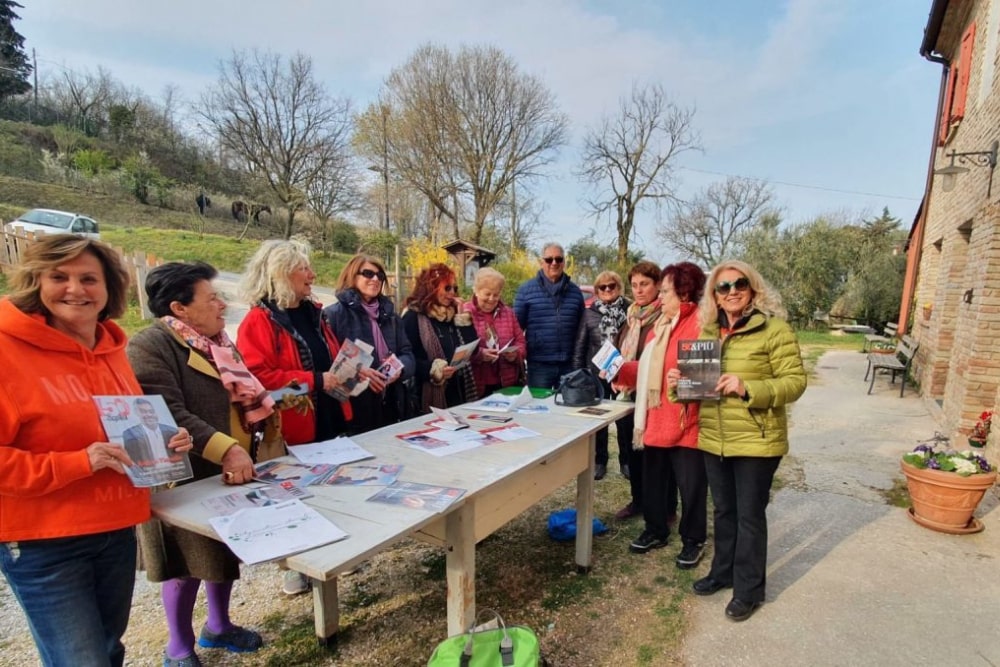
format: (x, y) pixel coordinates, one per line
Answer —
(434, 394)
(638, 317)
(245, 390)
(613, 315)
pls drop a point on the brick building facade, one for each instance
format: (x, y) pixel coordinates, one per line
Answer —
(951, 301)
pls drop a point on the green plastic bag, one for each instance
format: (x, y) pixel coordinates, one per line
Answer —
(516, 646)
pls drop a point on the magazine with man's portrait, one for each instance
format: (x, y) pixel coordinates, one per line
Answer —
(143, 426)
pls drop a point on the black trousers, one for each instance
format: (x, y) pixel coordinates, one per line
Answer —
(630, 457)
(665, 471)
(741, 488)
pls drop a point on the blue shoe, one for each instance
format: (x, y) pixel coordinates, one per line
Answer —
(187, 661)
(236, 639)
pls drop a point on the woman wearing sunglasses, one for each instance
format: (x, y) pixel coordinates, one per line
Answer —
(362, 312)
(436, 326)
(601, 322)
(744, 433)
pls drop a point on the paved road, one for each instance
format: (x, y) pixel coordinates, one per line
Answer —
(852, 580)
(235, 310)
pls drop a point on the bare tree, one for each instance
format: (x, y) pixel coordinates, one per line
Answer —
(631, 157)
(463, 126)
(272, 115)
(712, 226)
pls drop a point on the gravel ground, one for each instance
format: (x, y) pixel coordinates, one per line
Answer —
(256, 596)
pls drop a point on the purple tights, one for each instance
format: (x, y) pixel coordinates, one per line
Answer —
(179, 596)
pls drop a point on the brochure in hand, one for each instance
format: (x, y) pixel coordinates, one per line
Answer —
(418, 496)
(354, 355)
(391, 368)
(700, 364)
(463, 354)
(143, 426)
(608, 361)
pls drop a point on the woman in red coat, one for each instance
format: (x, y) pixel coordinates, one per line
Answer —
(497, 328)
(669, 430)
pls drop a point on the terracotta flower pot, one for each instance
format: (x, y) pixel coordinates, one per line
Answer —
(944, 501)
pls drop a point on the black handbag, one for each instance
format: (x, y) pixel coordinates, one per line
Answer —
(579, 389)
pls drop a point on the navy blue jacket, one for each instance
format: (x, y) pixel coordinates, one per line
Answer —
(349, 321)
(550, 315)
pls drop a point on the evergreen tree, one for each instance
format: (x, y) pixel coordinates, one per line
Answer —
(14, 65)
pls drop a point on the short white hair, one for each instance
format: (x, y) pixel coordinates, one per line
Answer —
(553, 244)
(488, 274)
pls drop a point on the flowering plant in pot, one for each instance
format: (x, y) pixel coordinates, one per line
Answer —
(946, 485)
(981, 430)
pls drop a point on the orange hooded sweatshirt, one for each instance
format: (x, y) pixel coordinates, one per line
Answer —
(47, 420)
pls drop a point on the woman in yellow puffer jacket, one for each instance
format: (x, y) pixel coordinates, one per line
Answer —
(744, 433)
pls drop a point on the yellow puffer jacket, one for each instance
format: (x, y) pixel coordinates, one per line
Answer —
(765, 355)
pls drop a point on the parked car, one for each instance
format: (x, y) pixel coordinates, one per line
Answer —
(588, 294)
(48, 221)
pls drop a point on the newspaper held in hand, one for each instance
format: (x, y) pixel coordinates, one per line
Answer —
(608, 361)
(143, 426)
(463, 354)
(391, 368)
(354, 355)
(700, 364)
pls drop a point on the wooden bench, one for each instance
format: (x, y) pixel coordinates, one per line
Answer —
(891, 331)
(898, 362)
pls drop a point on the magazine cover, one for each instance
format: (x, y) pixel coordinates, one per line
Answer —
(365, 474)
(278, 472)
(143, 425)
(418, 496)
(700, 364)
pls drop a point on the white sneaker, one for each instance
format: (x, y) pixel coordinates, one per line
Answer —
(294, 583)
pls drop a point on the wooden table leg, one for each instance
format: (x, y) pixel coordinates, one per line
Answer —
(460, 564)
(326, 611)
(585, 510)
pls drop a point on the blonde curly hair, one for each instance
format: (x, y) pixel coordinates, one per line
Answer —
(763, 297)
(266, 277)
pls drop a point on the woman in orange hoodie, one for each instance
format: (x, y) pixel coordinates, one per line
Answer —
(67, 510)
(667, 430)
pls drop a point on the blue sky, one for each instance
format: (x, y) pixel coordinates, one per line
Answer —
(826, 99)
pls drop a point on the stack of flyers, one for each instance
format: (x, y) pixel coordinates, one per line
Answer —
(354, 355)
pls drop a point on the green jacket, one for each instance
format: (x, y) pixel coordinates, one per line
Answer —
(765, 355)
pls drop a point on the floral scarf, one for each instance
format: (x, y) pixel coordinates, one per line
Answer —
(245, 390)
(613, 315)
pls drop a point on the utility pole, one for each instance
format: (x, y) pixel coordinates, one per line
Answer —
(34, 65)
(385, 161)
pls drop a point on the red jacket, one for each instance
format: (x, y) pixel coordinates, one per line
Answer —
(47, 420)
(671, 424)
(270, 353)
(504, 323)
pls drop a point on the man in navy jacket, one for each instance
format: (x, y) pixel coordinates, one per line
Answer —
(548, 308)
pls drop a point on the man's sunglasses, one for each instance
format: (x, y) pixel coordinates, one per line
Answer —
(723, 287)
(450, 288)
(606, 288)
(557, 260)
(369, 274)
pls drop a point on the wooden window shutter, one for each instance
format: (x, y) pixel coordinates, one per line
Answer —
(946, 111)
(964, 73)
